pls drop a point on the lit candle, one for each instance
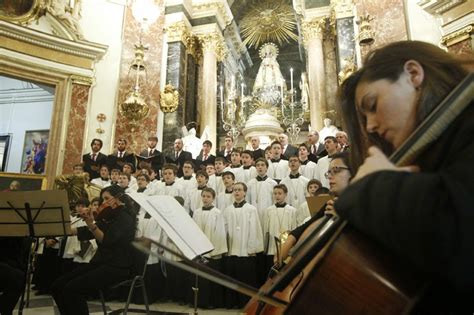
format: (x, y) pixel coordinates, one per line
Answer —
(222, 97)
(242, 90)
(291, 84)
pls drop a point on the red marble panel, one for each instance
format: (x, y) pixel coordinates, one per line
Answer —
(463, 48)
(150, 89)
(76, 125)
(389, 21)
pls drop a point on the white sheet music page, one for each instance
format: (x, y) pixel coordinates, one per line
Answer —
(176, 222)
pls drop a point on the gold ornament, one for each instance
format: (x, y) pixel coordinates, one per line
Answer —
(269, 21)
(169, 99)
(366, 33)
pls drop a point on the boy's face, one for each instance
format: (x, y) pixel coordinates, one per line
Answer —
(104, 172)
(123, 181)
(188, 170)
(152, 175)
(268, 154)
(238, 193)
(127, 169)
(80, 209)
(114, 176)
(145, 171)
(261, 168)
(152, 144)
(235, 158)
(168, 176)
(210, 169)
(276, 151)
(303, 153)
(312, 189)
(294, 164)
(141, 182)
(219, 166)
(247, 160)
(77, 170)
(279, 195)
(206, 148)
(201, 180)
(207, 198)
(228, 143)
(228, 181)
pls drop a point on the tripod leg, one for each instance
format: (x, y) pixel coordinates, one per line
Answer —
(27, 279)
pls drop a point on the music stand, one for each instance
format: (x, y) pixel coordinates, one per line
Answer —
(33, 214)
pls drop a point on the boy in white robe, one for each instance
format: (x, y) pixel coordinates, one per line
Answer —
(129, 169)
(260, 188)
(296, 183)
(277, 167)
(193, 197)
(236, 166)
(220, 164)
(104, 180)
(124, 182)
(245, 240)
(188, 181)
(211, 172)
(169, 187)
(248, 165)
(225, 198)
(212, 222)
(302, 211)
(331, 145)
(114, 176)
(307, 168)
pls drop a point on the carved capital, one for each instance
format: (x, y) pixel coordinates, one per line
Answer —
(343, 8)
(457, 36)
(313, 29)
(82, 80)
(213, 42)
(178, 32)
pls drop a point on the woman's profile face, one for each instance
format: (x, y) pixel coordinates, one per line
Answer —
(339, 176)
(388, 107)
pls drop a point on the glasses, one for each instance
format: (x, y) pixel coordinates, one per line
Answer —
(335, 170)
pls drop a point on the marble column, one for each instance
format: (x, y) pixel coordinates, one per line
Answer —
(313, 39)
(76, 124)
(212, 49)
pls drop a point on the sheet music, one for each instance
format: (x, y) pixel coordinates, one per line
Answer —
(176, 222)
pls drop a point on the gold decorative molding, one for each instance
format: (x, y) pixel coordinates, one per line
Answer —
(313, 29)
(218, 7)
(169, 100)
(82, 80)
(438, 7)
(35, 11)
(213, 42)
(458, 36)
(178, 32)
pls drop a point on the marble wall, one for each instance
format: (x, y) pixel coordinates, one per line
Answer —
(176, 75)
(75, 126)
(152, 38)
(463, 48)
(389, 21)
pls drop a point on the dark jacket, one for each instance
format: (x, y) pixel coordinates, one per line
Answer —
(155, 160)
(93, 167)
(200, 164)
(113, 161)
(183, 157)
(427, 218)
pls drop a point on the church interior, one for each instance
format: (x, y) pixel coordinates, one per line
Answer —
(195, 70)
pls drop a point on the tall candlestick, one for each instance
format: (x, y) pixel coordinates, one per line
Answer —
(242, 90)
(222, 97)
(281, 91)
(291, 76)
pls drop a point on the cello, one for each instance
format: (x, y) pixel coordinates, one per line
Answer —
(342, 271)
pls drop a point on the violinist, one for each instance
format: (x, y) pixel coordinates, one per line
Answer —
(113, 228)
(423, 213)
(338, 175)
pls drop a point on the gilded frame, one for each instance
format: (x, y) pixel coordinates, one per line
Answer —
(32, 14)
(6, 178)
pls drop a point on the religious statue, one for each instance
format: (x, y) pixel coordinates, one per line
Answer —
(328, 130)
(304, 92)
(191, 142)
(68, 12)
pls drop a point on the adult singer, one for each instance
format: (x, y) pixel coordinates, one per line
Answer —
(425, 214)
(114, 230)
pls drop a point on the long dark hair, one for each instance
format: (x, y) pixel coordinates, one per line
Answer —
(117, 192)
(442, 72)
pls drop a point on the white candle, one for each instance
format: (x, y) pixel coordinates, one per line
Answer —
(222, 97)
(291, 76)
(242, 90)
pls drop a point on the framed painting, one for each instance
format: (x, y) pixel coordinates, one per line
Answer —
(20, 11)
(35, 149)
(4, 150)
(23, 182)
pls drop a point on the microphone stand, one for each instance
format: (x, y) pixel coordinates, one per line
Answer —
(199, 260)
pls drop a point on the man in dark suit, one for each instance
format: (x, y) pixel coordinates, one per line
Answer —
(316, 148)
(118, 159)
(178, 156)
(343, 141)
(287, 149)
(205, 157)
(256, 151)
(229, 147)
(94, 160)
(151, 156)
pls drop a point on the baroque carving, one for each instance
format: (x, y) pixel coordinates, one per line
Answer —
(82, 80)
(314, 29)
(213, 42)
(178, 31)
(458, 36)
(169, 100)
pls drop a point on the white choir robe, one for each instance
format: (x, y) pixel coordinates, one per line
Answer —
(276, 221)
(322, 168)
(223, 200)
(187, 184)
(193, 200)
(244, 231)
(278, 170)
(133, 183)
(212, 223)
(149, 228)
(308, 170)
(260, 194)
(73, 245)
(100, 182)
(171, 190)
(296, 189)
(302, 213)
(238, 173)
(249, 173)
(216, 183)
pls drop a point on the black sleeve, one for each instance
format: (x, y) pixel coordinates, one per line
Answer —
(427, 218)
(119, 231)
(83, 234)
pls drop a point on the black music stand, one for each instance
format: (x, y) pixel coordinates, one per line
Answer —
(33, 214)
